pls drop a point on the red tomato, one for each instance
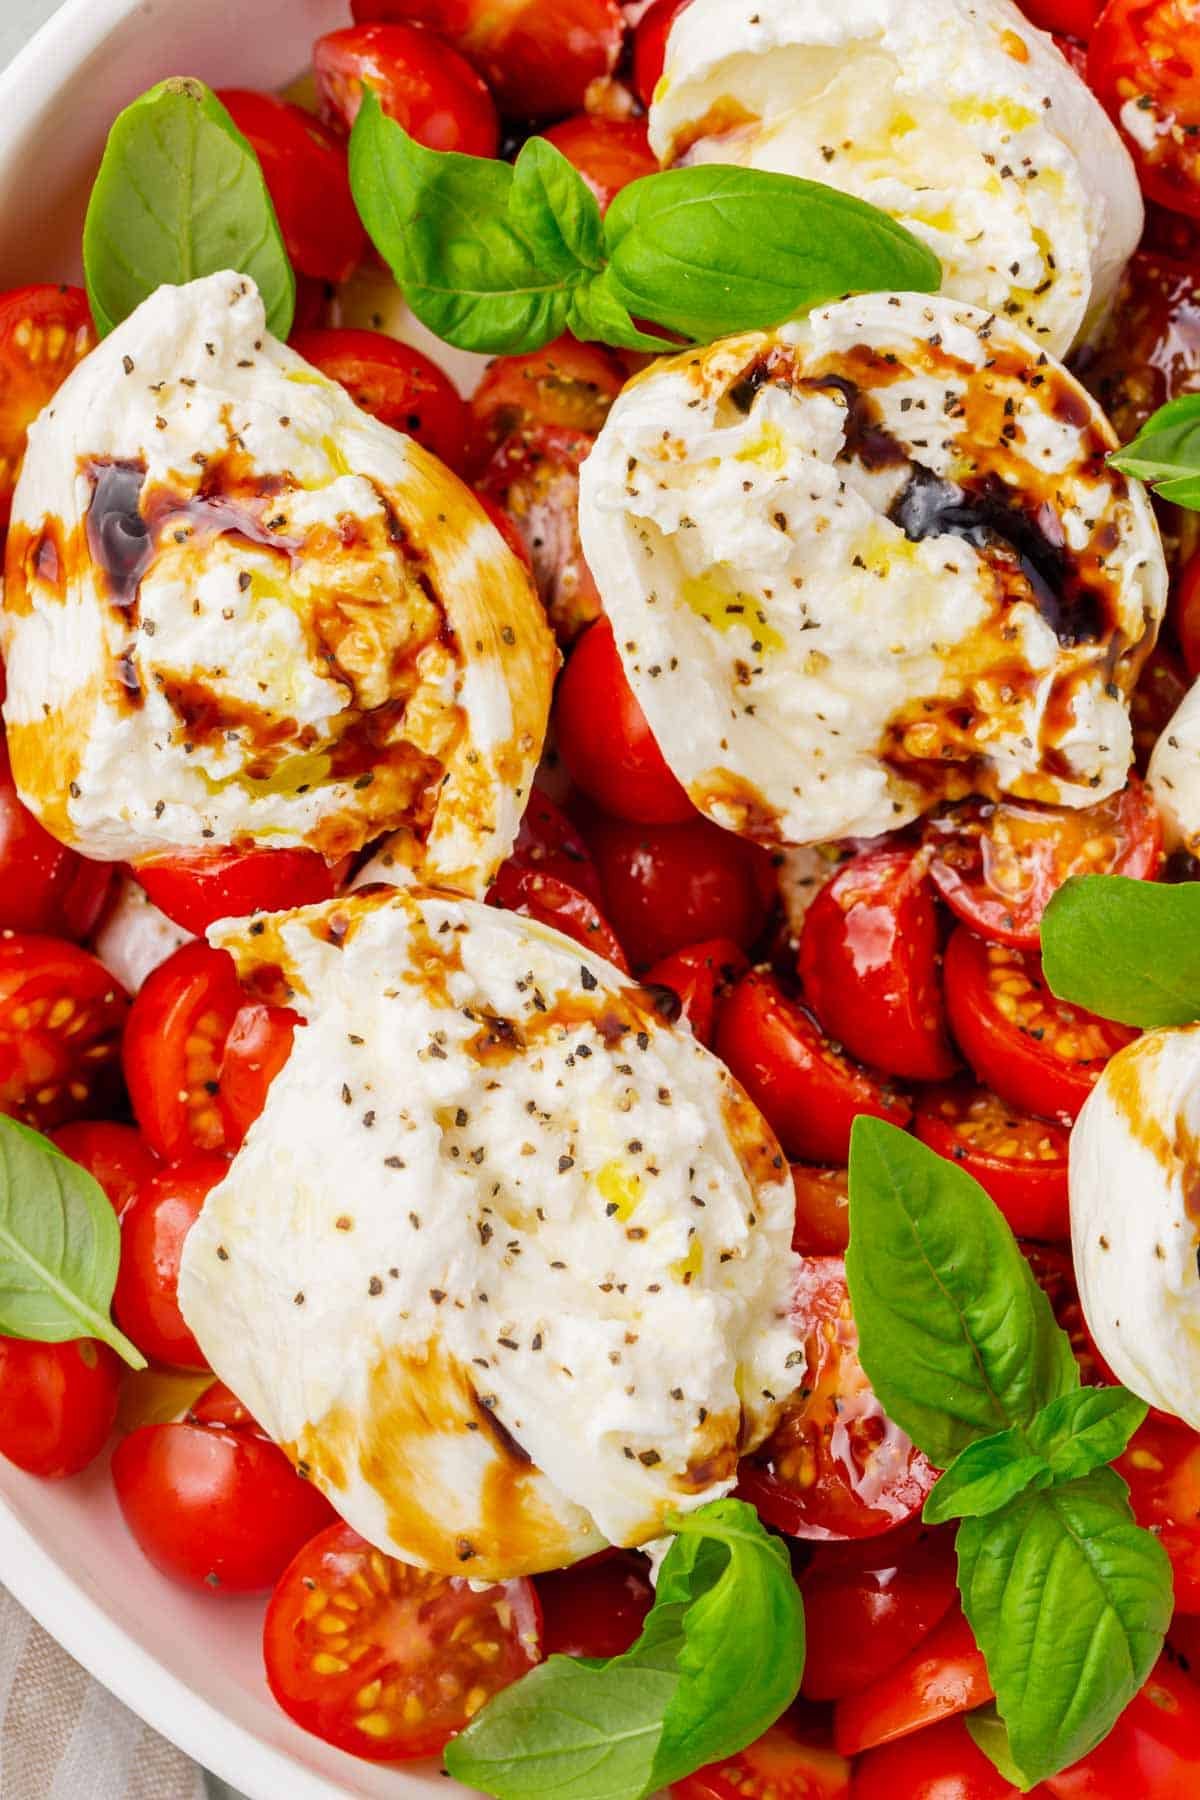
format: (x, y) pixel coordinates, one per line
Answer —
(507, 529)
(538, 60)
(119, 1159)
(1075, 52)
(870, 967)
(808, 1091)
(605, 742)
(153, 1228)
(58, 1403)
(1160, 691)
(1162, 1467)
(835, 1466)
(44, 886)
(666, 886)
(597, 1607)
(1055, 1274)
(1153, 1750)
(650, 46)
(394, 383)
(200, 1054)
(534, 478)
(304, 167)
(200, 887)
(61, 1018)
(1149, 351)
(1021, 1161)
(822, 1225)
(213, 1507)
(943, 1675)
(218, 1406)
(1185, 609)
(1039, 1053)
(1073, 18)
(1148, 52)
(943, 1762)
(702, 976)
(997, 864)
(404, 1673)
(552, 901)
(566, 384)
(860, 1621)
(549, 843)
(609, 153)
(420, 82)
(789, 1762)
(44, 331)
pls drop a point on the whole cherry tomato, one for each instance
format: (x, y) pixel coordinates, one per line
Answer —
(61, 1019)
(550, 844)
(1020, 1160)
(605, 742)
(420, 82)
(609, 153)
(153, 1228)
(58, 1403)
(44, 886)
(943, 1762)
(822, 1225)
(553, 901)
(793, 1760)
(666, 886)
(197, 889)
(596, 1608)
(117, 1156)
(396, 384)
(1162, 1467)
(860, 1621)
(1152, 1750)
(943, 1675)
(701, 976)
(304, 167)
(44, 331)
(650, 46)
(1144, 64)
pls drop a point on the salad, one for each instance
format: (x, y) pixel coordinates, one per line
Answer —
(599, 933)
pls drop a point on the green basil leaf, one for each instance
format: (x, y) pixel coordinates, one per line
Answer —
(1069, 1601)
(1081, 1431)
(59, 1246)
(719, 1658)
(955, 1335)
(716, 249)
(180, 194)
(1128, 950)
(985, 1477)
(478, 246)
(990, 1734)
(596, 313)
(1166, 452)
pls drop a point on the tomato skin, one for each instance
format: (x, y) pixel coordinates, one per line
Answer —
(304, 167)
(869, 965)
(45, 330)
(609, 153)
(420, 82)
(790, 1761)
(218, 1509)
(549, 843)
(1023, 1069)
(1149, 352)
(217, 1405)
(1162, 1468)
(1054, 1271)
(197, 889)
(1152, 1750)
(943, 1762)
(650, 46)
(1145, 51)
(604, 739)
(401, 1635)
(44, 885)
(552, 901)
(58, 1403)
(595, 1608)
(859, 1622)
(1019, 1160)
(56, 1065)
(567, 385)
(701, 975)
(666, 886)
(822, 1225)
(116, 1155)
(533, 476)
(1185, 609)
(396, 384)
(1073, 18)
(943, 1675)
(809, 1094)
(153, 1228)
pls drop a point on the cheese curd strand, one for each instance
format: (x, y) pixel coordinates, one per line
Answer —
(869, 561)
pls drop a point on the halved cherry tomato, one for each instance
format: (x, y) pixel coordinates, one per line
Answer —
(808, 1091)
(605, 742)
(44, 331)
(943, 1675)
(835, 1466)
(609, 153)
(1162, 1467)
(217, 1405)
(215, 1508)
(538, 60)
(420, 82)
(1185, 613)
(198, 888)
(1074, 18)
(552, 901)
(1040, 1053)
(394, 383)
(1020, 1160)
(822, 1225)
(860, 1621)
(44, 885)
(650, 46)
(701, 975)
(153, 1228)
(534, 478)
(793, 1760)
(566, 384)
(115, 1155)
(1149, 351)
(550, 844)
(1160, 691)
(507, 529)
(58, 1403)
(870, 968)
(200, 1053)
(404, 1671)
(998, 864)
(304, 167)
(1152, 1750)
(666, 886)
(1144, 55)
(943, 1762)
(596, 1608)
(61, 1019)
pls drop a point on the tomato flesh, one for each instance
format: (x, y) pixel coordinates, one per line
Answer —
(605, 741)
(793, 1760)
(396, 384)
(197, 889)
(533, 476)
(58, 1403)
(1161, 689)
(418, 79)
(1162, 1467)
(154, 1226)
(549, 843)
(1144, 56)
(596, 1608)
(61, 1019)
(1020, 1160)
(304, 167)
(822, 1225)
(566, 385)
(700, 976)
(1149, 352)
(44, 885)
(943, 1675)
(44, 331)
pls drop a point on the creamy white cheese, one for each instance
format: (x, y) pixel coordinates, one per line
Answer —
(1174, 775)
(955, 116)
(870, 560)
(505, 1262)
(133, 936)
(1135, 1217)
(240, 610)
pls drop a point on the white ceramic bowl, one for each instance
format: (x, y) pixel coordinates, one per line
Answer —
(189, 1664)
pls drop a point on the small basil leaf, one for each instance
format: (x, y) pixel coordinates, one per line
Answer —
(717, 249)
(180, 194)
(554, 209)
(990, 1734)
(1069, 1601)
(1166, 452)
(1081, 1431)
(955, 1335)
(1128, 950)
(986, 1476)
(596, 313)
(59, 1246)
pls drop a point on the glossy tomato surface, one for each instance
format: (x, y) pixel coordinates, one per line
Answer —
(1018, 1159)
(943, 1762)
(44, 331)
(1149, 350)
(609, 153)
(567, 385)
(793, 1760)
(650, 45)
(396, 384)
(44, 886)
(552, 901)
(58, 1403)
(943, 1675)
(1152, 1750)
(154, 1226)
(1144, 55)
(859, 1621)
(701, 976)
(1162, 1467)
(666, 886)
(304, 166)
(549, 843)
(1073, 18)
(605, 741)
(117, 1156)
(419, 80)
(596, 1608)
(61, 1019)
(197, 889)
(822, 1225)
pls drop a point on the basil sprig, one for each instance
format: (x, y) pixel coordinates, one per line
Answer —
(180, 194)
(59, 1247)
(1166, 452)
(1128, 950)
(720, 1657)
(1068, 1599)
(501, 258)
